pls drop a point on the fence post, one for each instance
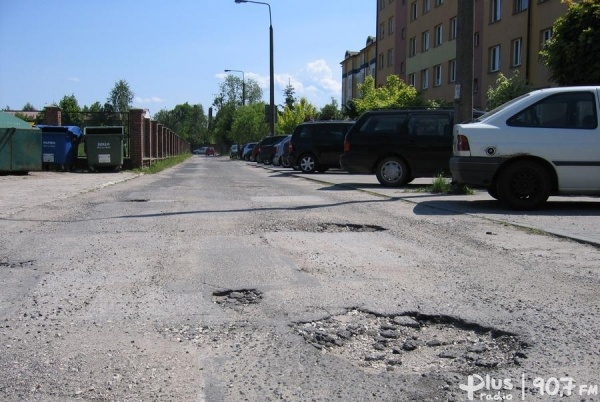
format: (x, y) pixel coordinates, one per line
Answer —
(136, 137)
(53, 116)
(147, 140)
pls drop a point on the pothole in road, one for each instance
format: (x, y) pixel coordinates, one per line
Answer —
(241, 297)
(16, 264)
(412, 343)
(325, 227)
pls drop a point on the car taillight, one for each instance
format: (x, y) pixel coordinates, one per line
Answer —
(346, 146)
(290, 148)
(462, 143)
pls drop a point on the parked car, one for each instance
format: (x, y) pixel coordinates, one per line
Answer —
(247, 150)
(400, 145)
(210, 151)
(233, 152)
(317, 146)
(266, 149)
(282, 152)
(543, 143)
(200, 151)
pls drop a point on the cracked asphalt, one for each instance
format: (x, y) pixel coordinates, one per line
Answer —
(220, 280)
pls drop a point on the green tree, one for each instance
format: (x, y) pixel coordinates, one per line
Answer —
(29, 108)
(249, 124)
(300, 112)
(70, 110)
(573, 53)
(330, 111)
(395, 94)
(231, 90)
(187, 121)
(120, 97)
(506, 89)
(288, 93)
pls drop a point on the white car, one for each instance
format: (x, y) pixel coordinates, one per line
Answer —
(544, 143)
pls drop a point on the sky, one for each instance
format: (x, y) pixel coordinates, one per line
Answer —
(174, 51)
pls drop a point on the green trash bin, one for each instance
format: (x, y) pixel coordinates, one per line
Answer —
(20, 145)
(104, 147)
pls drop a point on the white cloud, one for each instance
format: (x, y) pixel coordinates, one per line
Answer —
(151, 99)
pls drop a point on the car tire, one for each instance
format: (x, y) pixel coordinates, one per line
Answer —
(392, 172)
(492, 192)
(285, 163)
(523, 185)
(308, 163)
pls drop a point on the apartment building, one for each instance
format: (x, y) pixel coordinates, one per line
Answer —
(416, 40)
(355, 67)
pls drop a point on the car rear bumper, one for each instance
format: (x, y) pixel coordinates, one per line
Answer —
(353, 163)
(474, 171)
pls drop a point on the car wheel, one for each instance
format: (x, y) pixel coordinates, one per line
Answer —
(392, 172)
(284, 162)
(493, 192)
(308, 163)
(523, 185)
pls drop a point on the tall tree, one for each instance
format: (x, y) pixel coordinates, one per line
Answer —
(187, 121)
(231, 90)
(330, 111)
(249, 124)
(573, 53)
(288, 93)
(121, 97)
(28, 107)
(71, 112)
(291, 117)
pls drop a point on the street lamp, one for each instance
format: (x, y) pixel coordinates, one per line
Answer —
(243, 84)
(272, 73)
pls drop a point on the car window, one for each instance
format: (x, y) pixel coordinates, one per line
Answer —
(438, 125)
(382, 123)
(563, 110)
(305, 131)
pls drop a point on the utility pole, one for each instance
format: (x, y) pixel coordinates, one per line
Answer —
(463, 90)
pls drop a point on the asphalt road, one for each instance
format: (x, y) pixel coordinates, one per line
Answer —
(219, 280)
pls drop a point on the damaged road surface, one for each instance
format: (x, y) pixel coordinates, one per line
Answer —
(218, 280)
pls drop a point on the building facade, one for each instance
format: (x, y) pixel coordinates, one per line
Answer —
(356, 67)
(416, 40)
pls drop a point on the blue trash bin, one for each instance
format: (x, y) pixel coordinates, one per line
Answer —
(59, 146)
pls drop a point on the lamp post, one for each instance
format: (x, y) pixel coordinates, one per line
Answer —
(272, 73)
(243, 84)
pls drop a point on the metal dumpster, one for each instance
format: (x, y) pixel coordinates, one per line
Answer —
(20, 145)
(59, 146)
(104, 147)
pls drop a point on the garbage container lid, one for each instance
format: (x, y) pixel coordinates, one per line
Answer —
(74, 130)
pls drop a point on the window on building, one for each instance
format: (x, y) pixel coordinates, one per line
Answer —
(452, 71)
(426, 6)
(413, 11)
(381, 4)
(476, 39)
(425, 41)
(438, 3)
(381, 61)
(424, 79)
(413, 47)
(545, 35)
(437, 75)
(496, 10)
(520, 5)
(453, 24)
(391, 26)
(517, 51)
(403, 33)
(402, 68)
(494, 63)
(475, 85)
(381, 30)
(412, 80)
(390, 57)
(439, 35)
